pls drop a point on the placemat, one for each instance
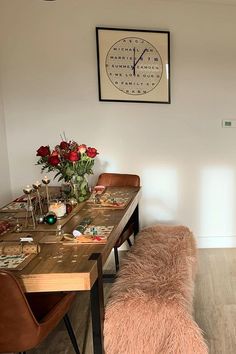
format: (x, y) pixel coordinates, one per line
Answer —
(110, 200)
(92, 234)
(15, 255)
(17, 261)
(18, 205)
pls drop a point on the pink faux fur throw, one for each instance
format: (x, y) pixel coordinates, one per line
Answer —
(149, 309)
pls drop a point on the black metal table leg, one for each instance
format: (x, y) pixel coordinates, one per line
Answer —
(136, 220)
(97, 307)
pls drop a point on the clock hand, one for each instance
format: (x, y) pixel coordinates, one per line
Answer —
(133, 67)
(140, 57)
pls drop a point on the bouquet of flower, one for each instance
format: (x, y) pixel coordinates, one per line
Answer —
(68, 159)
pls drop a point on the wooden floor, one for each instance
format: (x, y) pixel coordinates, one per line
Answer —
(215, 308)
(215, 299)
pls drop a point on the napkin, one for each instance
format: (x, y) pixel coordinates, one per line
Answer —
(14, 248)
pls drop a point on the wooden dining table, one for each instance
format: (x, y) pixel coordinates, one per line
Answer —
(62, 266)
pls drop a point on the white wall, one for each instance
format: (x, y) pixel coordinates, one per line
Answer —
(186, 161)
(5, 188)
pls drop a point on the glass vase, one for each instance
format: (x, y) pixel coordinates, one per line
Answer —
(79, 188)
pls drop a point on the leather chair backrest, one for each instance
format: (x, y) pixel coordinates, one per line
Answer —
(17, 322)
(118, 180)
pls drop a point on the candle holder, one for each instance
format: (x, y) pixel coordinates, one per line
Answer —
(18, 227)
(29, 208)
(46, 182)
(37, 185)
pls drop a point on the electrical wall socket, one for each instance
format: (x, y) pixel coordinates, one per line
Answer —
(229, 123)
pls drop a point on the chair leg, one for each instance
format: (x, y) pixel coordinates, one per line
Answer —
(71, 333)
(129, 242)
(117, 263)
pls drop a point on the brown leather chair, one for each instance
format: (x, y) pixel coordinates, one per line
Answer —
(122, 180)
(27, 319)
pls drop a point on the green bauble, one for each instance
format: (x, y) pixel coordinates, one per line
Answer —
(50, 218)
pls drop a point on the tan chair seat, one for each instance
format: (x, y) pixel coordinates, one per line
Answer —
(27, 319)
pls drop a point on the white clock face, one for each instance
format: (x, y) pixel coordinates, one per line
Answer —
(134, 66)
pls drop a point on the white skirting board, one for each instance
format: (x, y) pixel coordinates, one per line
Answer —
(216, 242)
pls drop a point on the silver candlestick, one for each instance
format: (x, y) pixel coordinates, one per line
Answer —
(46, 181)
(37, 186)
(29, 208)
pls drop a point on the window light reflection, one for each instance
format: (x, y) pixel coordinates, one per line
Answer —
(217, 202)
(160, 194)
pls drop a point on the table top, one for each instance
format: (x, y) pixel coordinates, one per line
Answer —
(60, 267)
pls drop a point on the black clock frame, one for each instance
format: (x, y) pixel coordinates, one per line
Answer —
(134, 100)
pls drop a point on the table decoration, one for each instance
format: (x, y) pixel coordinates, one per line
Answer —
(50, 218)
(29, 216)
(69, 207)
(72, 163)
(90, 235)
(18, 227)
(11, 248)
(40, 219)
(57, 207)
(79, 229)
(46, 182)
(37, 185)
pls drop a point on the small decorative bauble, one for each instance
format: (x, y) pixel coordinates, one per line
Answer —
(18, 227)
(73, 202)
(40, 219)
(50, 218)
(69, 208)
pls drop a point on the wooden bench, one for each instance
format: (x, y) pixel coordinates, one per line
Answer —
(149, 310)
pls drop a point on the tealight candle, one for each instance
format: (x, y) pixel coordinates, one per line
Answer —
(36, 185)
(27, 189)
(46, 180)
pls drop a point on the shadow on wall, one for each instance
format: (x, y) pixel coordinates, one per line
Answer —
(99, 168)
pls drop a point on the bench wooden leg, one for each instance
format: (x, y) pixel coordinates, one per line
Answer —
(117, 263)
(135, 217)
(129, 242)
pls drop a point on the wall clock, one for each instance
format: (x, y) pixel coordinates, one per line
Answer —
(133, 65)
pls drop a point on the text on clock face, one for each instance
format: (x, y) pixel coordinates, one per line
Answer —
(134, 66)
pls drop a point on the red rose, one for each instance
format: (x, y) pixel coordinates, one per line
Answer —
(65, 155)
(92, 152)
(64, 145)
(43, 151)
(73, 156)
(53, 160)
